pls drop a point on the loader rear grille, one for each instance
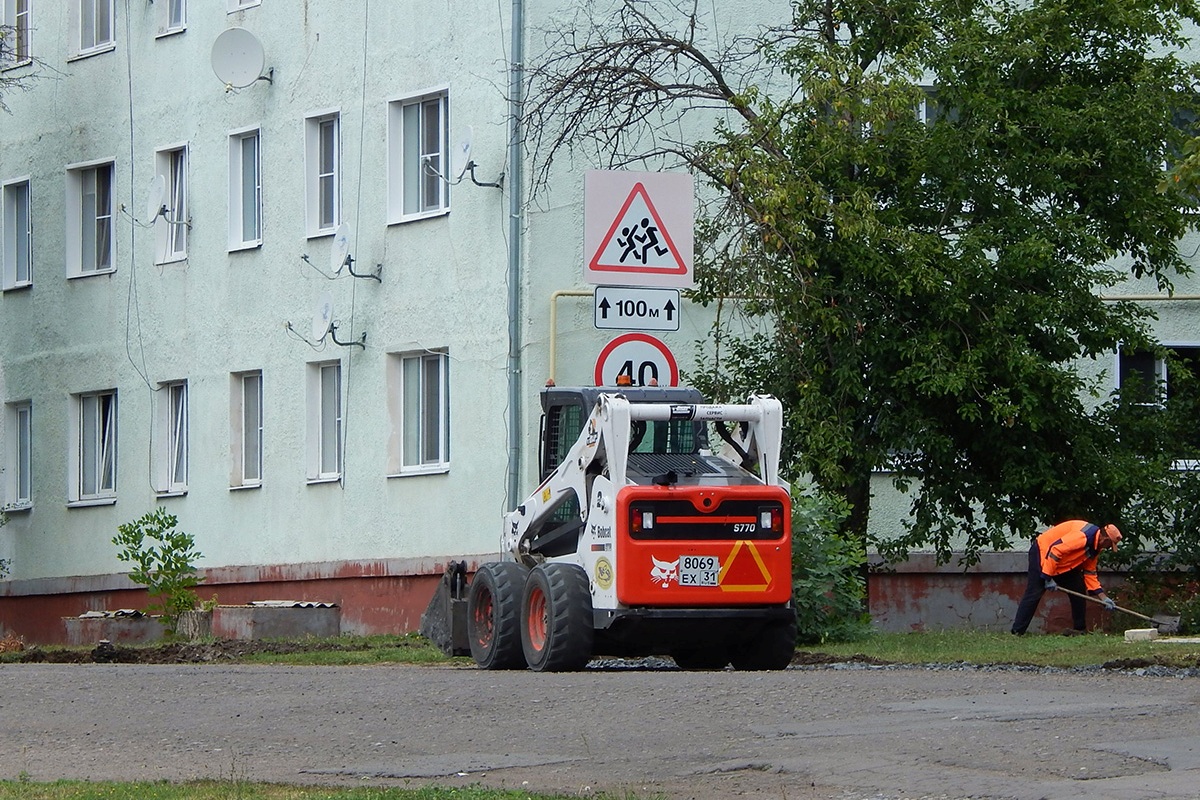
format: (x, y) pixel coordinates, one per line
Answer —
(684, 464)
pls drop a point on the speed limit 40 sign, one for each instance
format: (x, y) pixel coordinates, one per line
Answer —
(642, 358)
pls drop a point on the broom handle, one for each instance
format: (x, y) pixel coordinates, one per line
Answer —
(1101, 602)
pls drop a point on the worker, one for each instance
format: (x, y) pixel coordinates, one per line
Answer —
(1066, 554)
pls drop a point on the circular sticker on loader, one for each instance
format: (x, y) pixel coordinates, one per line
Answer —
(604, 574)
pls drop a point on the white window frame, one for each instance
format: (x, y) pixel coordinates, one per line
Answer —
(93, 437)
(171, 227)
(418, 412)
(239, 5)
(325, 439)
(172, 17)
(416, 167)
(17, 14)
(243, 187)
(93, 27)
(322, 172)
(19, 456)
(16, 196)
(246, 429)
(85, 247)
(173, 442)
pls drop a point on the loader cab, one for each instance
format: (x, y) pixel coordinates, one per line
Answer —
(565, 410)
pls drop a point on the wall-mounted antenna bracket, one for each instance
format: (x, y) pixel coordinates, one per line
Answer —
(498, 184)
(361, 342)
(349, 262)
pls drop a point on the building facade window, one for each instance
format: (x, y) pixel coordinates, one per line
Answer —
(246, 428)
(19, 421)
(419, 404)
(93, 22)
(18, 234)
(90, 246)
(173, 419)
(325, 421)
(418, 148)
(245, 190)
(173, 17)
(1149, 380)
(16, 44)
(94, 454)
(322, 166)
(172, 223)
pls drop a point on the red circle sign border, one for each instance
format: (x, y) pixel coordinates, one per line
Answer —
(656, 343)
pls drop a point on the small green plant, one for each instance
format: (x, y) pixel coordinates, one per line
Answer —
(163, 560)
(827, 585)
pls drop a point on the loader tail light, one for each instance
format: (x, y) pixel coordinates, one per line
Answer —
(641, 520)
(770, 519)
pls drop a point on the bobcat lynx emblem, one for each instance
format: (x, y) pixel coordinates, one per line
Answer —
(664, 572)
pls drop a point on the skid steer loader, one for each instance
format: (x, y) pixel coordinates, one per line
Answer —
(639, 540)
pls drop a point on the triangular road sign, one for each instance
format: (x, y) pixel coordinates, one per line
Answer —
(638, 242)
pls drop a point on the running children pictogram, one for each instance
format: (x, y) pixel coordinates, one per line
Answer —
(638, 228)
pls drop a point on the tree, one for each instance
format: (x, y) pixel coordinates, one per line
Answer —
(926, 200)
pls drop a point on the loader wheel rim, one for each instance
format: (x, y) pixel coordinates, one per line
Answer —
(536, 624)
(484, 624)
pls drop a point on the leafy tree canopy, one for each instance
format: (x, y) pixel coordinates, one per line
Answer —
(927, 201)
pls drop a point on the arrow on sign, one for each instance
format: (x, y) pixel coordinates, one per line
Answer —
(604, 307)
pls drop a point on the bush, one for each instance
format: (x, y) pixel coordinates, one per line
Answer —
(827, 583)
(163, 561)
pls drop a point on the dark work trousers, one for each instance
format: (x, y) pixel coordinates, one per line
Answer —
(1037, 586)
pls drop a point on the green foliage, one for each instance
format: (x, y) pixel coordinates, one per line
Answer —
(933, 285)
(827, 584)
(163, 560)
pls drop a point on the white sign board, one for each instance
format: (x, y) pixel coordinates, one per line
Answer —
(638, 228)
(637, 309)
(641, 357)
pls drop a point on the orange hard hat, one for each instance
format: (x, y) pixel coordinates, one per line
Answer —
(1114, 535)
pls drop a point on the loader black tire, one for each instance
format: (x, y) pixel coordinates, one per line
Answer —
(556, 618)
(773, 648)
(494, 615)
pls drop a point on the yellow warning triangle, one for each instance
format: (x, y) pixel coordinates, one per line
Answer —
(744, 570)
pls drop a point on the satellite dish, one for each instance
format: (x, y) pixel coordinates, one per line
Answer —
(238, 58)
(460, 159)
(154, 199)
(322, 317)
(340, 251)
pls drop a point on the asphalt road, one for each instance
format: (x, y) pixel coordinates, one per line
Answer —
(801, 734)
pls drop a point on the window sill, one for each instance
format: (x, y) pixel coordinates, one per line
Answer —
(91, 274)
(170, 260)
(432, 469)
(95, 51)
(240, 487)
(19, 287)
(18, 508)
(243, 246)
(441, 212)
(172, 493)
(320, 233)
(170, 32)
(317, 481)
(25, 62)
(92, 501)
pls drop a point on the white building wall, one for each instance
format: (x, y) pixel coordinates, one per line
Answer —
(218, 312)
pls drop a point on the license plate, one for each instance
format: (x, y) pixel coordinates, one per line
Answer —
(699, 570)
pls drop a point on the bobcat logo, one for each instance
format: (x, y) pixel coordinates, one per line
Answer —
(664, 572)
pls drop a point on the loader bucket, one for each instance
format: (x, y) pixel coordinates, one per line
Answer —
(445, 619)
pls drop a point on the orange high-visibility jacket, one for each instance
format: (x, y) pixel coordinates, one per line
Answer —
(1069, 545)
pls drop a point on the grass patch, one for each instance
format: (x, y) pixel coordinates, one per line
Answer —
(242, 790)
(949, 647)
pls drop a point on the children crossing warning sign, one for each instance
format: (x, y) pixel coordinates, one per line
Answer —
(638, 228)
